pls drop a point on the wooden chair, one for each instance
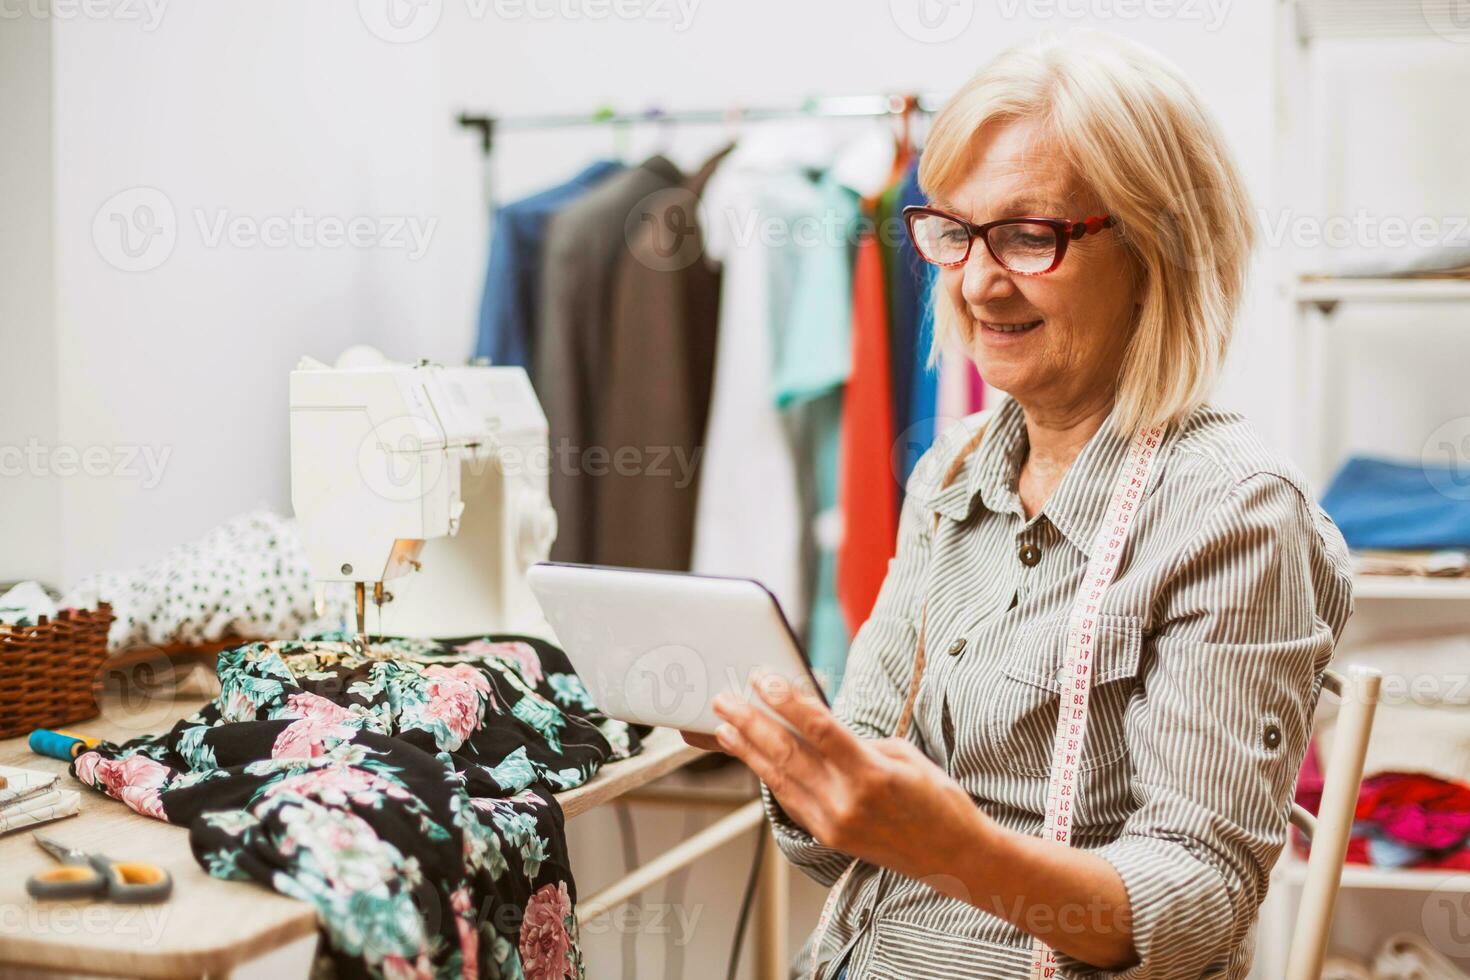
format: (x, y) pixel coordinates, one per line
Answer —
(1330, 829)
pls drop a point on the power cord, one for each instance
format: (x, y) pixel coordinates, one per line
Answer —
(746, 902)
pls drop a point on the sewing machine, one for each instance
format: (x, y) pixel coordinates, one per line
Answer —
(427, 478)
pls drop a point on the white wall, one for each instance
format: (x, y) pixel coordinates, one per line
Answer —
(30, 502)
(1396, 148)
(252, 110)
(235, 110)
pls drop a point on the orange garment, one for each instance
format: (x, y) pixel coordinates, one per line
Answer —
(867, 488)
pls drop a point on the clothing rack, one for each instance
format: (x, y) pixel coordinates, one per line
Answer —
(898, 106)
(741, 815)
(833, 107)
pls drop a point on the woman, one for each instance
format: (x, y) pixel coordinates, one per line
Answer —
(1108, 317)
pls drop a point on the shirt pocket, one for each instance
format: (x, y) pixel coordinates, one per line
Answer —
(1022, 718)
(904, 950)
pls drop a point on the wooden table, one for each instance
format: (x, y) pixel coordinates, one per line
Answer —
(209, 927)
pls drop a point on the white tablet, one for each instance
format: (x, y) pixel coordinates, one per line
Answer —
(654, 648)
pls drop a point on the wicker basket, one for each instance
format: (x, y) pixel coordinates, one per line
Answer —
(49, 671)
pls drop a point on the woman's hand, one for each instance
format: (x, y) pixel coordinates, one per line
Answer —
(881, 800)
(884, 801)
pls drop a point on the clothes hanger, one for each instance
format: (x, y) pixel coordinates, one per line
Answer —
(620, 144)
(734, 121)
(902, 107)
(662, 127)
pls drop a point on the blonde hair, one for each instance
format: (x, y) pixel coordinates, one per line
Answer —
(1133, 129)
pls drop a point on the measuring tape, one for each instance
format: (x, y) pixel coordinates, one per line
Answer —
(1066, 753)
(1076, 687)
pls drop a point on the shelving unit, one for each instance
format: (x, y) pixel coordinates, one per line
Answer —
(1292, 870)
(1410, 587)
(1327, 291)
(1314, 301)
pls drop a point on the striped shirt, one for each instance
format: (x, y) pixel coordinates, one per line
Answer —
(1232, 591)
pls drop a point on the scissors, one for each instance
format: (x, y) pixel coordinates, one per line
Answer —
(94, 876)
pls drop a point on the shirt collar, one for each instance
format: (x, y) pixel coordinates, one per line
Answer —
(990, 474)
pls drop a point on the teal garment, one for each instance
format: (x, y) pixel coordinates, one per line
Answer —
(813, 361)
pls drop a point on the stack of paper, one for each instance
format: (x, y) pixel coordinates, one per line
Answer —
(31, 797)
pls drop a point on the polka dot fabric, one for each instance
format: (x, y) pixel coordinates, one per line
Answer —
(246, 578)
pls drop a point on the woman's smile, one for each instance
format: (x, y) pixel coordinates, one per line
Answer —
(1009, 329)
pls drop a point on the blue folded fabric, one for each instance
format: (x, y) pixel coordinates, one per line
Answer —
(1377, 503)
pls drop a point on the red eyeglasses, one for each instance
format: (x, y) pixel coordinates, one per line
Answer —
(1025, 246)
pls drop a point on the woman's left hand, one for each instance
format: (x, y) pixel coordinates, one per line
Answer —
(881, 800)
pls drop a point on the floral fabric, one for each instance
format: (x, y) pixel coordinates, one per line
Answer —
(406, 793)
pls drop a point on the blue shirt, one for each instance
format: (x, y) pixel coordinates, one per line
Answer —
(512, 276)
(913, 333)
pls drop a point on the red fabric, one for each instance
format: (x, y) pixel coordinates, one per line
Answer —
(867, 487)
(1416, 811)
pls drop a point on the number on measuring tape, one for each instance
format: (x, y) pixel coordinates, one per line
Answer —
(1071, 731)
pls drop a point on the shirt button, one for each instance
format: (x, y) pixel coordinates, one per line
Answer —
(1272, 736)
(1030, 555)
(957, 647)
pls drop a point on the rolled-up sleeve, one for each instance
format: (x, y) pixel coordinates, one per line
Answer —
(1245, 625)
(880, 660)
